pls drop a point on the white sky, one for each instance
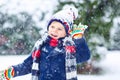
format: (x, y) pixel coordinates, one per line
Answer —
(27, 5)
(33, 7)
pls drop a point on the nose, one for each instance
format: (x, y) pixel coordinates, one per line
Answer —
(55, 30)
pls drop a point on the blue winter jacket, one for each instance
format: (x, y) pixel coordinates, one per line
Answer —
(52, 65)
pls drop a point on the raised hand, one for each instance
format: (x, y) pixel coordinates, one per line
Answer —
(78, 31)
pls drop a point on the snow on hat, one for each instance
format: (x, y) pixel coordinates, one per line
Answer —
(66, 17)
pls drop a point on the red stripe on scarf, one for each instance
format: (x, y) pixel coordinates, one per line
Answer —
(70, 49)
(36, 54)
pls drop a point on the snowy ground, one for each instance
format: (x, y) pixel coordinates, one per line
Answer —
(110, 64)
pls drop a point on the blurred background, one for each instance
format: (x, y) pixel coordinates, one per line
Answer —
(22, 22)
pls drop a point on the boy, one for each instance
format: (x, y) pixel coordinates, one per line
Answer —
(55, 56)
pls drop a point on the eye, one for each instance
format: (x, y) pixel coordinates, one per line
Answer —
(59, 29)
(52, 27)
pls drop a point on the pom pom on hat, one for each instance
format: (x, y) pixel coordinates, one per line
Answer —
(66, 17)
(72, 10)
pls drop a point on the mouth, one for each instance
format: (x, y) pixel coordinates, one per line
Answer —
(53, 35)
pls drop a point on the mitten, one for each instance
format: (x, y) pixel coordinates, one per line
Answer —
(78, 31)
(7, 74)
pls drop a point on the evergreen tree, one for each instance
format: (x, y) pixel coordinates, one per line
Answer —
(98, 15)
(19, 32)
(115, 38)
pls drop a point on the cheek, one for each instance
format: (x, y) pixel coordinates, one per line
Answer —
(63, 34)
(49, 31)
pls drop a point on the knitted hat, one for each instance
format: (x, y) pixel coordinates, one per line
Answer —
(65, 17)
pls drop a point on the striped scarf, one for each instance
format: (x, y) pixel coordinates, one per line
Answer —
(70, 58)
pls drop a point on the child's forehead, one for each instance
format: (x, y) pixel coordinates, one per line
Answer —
(57, 24)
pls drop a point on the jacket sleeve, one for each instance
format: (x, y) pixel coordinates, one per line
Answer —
(82, 50)
(24, 67)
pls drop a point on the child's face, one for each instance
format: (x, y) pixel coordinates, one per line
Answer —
(56, 30)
